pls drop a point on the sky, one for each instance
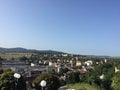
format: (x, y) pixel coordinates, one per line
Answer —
(87, 27)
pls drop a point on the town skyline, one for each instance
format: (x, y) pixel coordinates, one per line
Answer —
(31, 50)
(77, 27)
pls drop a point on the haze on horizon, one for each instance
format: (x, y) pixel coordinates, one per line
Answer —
(89, 27)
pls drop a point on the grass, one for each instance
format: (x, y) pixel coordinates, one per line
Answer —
(14, 55)
(82, 86)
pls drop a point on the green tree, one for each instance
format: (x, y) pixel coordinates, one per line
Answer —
(108, 71)
(7, 81)
(73, 77)
(116, 81)
(93, 76)
(52, 81)
(24, 59)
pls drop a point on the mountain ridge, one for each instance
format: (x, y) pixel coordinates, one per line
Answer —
(24, 50)
(20, 49)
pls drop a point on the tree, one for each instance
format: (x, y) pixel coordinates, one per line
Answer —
(7, 81)
(93, 76)
(21, 83)
(1, 58)
(116, 81)
(73, 77)
(52, 81)
(108, 71)
(24, 59)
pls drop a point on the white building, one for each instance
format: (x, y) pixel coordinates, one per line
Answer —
(78, 63)
(89, 62)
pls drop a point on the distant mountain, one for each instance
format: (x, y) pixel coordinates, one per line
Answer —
(98, 56)
(24, 50)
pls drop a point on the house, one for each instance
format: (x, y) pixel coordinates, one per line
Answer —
(50, 69)
(51, 63)
(78, 63)
(89, 62)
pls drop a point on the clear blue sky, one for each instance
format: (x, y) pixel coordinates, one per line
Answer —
(89, 27)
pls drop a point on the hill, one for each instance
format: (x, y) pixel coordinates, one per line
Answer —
(24, 50)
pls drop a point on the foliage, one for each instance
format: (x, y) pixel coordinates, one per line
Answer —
(23, 58)
(1, 58)
(1, 70)
(116, 81)
(73, 77)
(52, 81)
(62, 82)
(83, 86)
(108, 71)
(93, 76)
(21, 84)
(7, 81)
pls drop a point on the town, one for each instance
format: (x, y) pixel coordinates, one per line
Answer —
(59, 45)
(67, 68)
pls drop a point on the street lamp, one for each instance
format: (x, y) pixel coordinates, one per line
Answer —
(43, 84)
(17, 76)
(33, 85)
